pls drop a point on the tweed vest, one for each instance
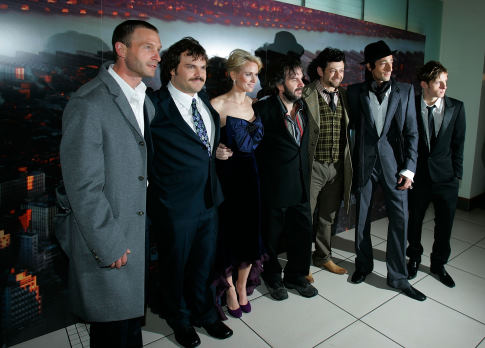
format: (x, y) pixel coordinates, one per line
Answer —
(331, 139)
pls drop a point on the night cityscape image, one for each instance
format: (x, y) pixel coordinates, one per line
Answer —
(49, 48)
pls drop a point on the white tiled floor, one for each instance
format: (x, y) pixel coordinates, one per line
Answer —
(346, 315)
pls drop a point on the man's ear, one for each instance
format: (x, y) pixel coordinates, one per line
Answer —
(320, 71)
(423, 84)
(120, 48)
(280, 87)
(368, 67)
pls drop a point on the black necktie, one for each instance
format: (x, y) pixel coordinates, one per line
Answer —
(431, 127)
(331, 103)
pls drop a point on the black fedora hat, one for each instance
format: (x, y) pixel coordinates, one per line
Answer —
(375, 51)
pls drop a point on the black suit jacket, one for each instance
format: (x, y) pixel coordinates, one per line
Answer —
(182, 178)
(283, 165)
(445, 162)
(396, 147)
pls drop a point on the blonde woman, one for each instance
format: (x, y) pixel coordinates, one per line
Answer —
(240, 253)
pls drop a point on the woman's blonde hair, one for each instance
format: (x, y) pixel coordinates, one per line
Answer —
(238, 58)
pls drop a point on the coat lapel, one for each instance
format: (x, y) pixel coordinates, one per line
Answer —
(311, 100)
(421, 123)
(171, 111)
(391, 108)
(215, 117)
(449, 108)
(365, 100)
(119, 98)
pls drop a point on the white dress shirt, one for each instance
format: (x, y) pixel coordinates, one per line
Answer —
(379, 112)
(135, 96)
(438, 114)
(183, 101)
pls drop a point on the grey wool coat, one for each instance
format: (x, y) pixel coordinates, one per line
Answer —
(104, 167)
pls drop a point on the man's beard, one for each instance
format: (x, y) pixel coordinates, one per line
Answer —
(289, 95)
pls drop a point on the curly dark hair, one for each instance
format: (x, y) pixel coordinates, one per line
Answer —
(171, 57)
(430, 71)
(328, 55)
(123, 31)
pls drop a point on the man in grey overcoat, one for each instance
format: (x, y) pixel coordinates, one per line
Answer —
(104, 153)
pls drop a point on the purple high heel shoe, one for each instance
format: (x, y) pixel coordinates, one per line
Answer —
(236, 313)
(246, 308)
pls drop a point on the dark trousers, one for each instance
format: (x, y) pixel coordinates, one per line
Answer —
(187, 247)
(296, 223)
(397, 211)
(116, 334)
(444, 197)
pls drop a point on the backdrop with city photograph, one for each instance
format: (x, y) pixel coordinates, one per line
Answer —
(51, 47)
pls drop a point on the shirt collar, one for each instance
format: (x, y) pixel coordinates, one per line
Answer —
(138, 92)
(181, 97)
(321, 89)
(298, 104)
(438, 103)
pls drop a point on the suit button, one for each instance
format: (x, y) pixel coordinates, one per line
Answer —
(140, 213)
(316, 131)
(141, 143)
(141, 178)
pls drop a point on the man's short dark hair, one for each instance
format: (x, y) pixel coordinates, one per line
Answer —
(430, 71)
(281, 68)
(328, 55)
(123, 31)
(171, 58)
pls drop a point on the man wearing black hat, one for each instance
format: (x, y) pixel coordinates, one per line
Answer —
(386, 138)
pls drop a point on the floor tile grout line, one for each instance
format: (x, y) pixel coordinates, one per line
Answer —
(456, 310)
(383, 334)
(68, 337)
(466, 220)
(158, 339)
(468, 272)
(256, 333)
(482, 340)
(335, 333)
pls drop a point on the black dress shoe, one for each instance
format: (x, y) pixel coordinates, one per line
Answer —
(277, 290)
(187, 337)
(413, 266)
(415, 294)
(303, 287)
(444, 277)
(218, 330)
(358, 277)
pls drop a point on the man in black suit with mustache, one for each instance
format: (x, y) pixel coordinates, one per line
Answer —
(441, 126)
(184, 192)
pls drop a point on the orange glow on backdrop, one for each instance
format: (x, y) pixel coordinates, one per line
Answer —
(25, 219)
(30, 182)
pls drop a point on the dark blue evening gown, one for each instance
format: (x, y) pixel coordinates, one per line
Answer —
(239, 238)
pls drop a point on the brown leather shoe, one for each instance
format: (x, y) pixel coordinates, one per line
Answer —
(332, 267)
(309, 277)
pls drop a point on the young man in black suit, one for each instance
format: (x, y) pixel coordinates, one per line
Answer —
(441, 125)
(386, 140)
(184, 192)
(285, 173)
